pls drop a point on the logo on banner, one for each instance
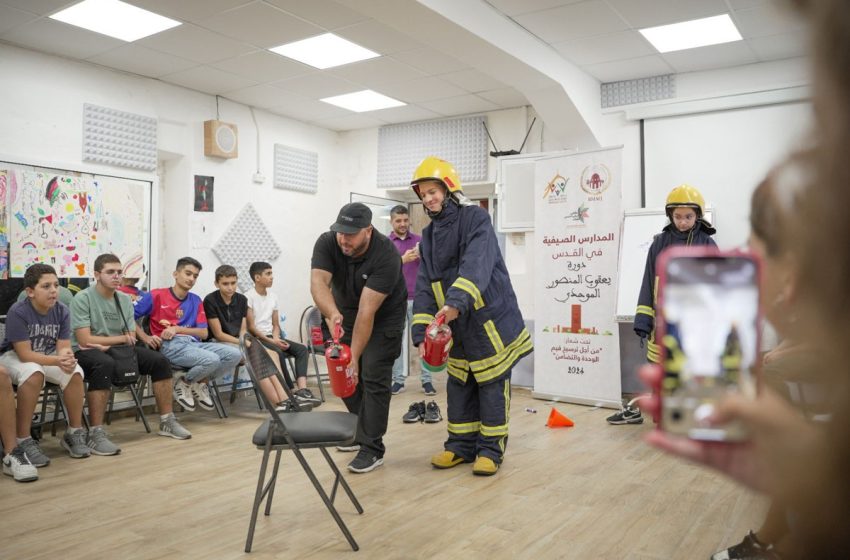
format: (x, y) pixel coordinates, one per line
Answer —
(579, 215)
(556, 190)
(595, 179)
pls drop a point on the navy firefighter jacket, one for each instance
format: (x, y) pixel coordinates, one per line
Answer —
(700, 234)
(461, 266)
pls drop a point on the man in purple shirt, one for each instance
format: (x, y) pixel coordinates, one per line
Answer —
(407, 244)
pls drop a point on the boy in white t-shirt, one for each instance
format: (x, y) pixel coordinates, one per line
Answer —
(264, 323)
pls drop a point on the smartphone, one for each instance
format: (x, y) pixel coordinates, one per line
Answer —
(708, 327)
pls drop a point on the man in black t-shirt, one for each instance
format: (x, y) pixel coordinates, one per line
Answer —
(356, 282)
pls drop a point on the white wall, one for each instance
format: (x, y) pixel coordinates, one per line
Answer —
(725, 154)
(41, 104)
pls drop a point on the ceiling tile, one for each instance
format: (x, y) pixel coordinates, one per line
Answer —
(430, 61)
(51, 36)
(262, 25)
(461, 105)
(376, 72)
(304, 109)
(263, 66)
(649, 13)
(422, 89)
(408, 113)
(188, 10)
(207, 79)
(192, 42)
(349, 122)
(257, 96)
(317, 85)
(604, 48)
(140, 60)
(472, 80)
(40, 7)
(767, 19)
(326, 14)
(11, 18)
(505, 98)
(630, 69)
(711, 57)
(377, 37)
(516, 7)
(566, 23)
(777, 47)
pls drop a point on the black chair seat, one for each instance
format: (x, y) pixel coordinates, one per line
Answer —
(306, 428)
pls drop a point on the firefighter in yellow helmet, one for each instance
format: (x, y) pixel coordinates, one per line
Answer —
(462, 275)
(685, 208)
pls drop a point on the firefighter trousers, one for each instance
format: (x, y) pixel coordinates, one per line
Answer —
(478, 417)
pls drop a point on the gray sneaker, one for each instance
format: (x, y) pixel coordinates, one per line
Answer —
(170, 427)
(75, 444)
(99, 443)
(16, 465)
(34, 453)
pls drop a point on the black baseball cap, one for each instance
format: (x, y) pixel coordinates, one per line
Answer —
(353, 217)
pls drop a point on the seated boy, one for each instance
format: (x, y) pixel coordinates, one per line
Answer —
(227, 311)
(102, 317)
(264, 323)
(38, 348)
(179, 324)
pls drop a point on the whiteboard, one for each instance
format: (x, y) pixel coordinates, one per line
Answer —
(725, 154)
(67, 218)
(636, 234)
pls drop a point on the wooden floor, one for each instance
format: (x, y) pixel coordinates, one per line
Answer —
(591, 491)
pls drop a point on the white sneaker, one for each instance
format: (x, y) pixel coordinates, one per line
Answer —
(17, 465)
(183, 394)
(201, 391)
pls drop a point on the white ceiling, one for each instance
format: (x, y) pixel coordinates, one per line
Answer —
(220, 50)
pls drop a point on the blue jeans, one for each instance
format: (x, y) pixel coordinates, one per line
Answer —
(402, 363)
(204, 360)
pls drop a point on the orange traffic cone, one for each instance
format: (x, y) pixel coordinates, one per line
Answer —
(558, 420)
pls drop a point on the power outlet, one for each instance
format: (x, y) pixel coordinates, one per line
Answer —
(259, 178)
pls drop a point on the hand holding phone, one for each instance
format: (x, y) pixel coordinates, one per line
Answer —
(709, 326)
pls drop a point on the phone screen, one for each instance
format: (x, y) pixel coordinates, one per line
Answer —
(710, 338)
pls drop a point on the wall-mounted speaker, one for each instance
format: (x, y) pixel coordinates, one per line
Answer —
(220, 139)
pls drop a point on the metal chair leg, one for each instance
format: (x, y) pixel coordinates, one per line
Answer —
(318, 374)
(258, 497)
(216, 397)
(340, 523)
(140, 411)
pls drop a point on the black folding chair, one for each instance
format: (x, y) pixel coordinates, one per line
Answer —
(295, 431)
(312, 317)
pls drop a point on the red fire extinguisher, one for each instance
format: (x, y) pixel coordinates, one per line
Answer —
(316, 337)
(438, 337)
(338, 356)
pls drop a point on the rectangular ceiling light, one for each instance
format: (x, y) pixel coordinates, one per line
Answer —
(115, 19)
(362, 101)
(691, 34)
(325, 51)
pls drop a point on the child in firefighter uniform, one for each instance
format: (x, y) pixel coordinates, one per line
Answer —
(462, 275)
(685, 207)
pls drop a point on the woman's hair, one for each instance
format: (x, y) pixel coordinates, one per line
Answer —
(774, 206)
(823, 252)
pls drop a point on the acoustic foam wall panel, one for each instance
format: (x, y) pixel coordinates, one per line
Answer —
(120, 138)
(640, 90)
(461, 141)
(246, 240)
(296, 170)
